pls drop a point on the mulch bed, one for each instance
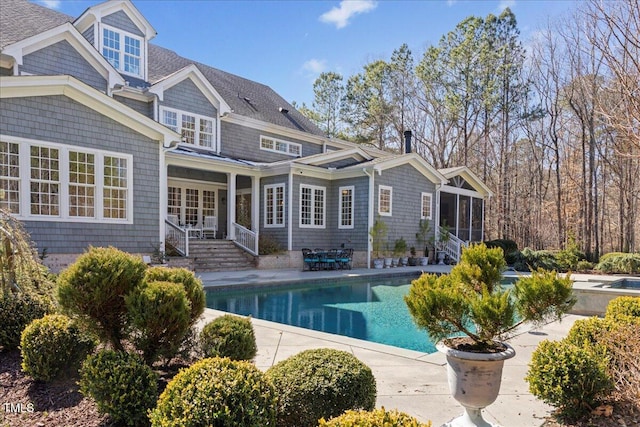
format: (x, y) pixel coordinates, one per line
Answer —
(60, 404)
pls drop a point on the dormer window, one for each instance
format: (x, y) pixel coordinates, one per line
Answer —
(195, 129)
(122, 50)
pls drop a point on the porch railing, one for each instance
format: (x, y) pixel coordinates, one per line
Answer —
(176, 236)
(453, 247)
(246, 239)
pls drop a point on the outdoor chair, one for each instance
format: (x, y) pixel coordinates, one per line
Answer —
(344, 258)
(328, 259)
(210, 226)
(311, 259)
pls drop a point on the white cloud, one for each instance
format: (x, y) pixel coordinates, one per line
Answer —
(451, 2)
(51, 4)
(315, 66)
(340, 16)
(506, 4)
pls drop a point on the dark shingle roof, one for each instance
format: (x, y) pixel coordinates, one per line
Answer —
(20, 19)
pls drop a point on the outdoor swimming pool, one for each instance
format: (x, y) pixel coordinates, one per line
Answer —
(372, 310)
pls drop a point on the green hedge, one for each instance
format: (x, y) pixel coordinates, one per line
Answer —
(229, 336)
(217, 392)
(321, 383)
(376, 418)
(622, 263)
(17, 310)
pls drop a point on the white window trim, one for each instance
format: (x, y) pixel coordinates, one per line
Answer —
(380, 189)
(313, 189)
(340, 201)
(430, 216)
(198, 117)
(275, 210)
(123, 33)
(63, 208)
(287, 143)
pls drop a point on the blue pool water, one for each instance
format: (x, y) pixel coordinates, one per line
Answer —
(372, 310)
(627, 284)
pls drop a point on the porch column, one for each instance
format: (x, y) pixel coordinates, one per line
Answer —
(457, 213)
(470, 218)
(255, 203)
(231, 205)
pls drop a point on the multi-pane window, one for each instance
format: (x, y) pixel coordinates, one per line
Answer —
(385, 195)
(208, 203)
(274, 205)
(345, 208)
(312, 206)
(192, 201)
(45, 181)
(426, 212)
(174, 201)
(285, 147)
(82, 184)
(123, 51)
(131, 55)
(10, 176)
(195, 129)
(42, 180)
(115, 191)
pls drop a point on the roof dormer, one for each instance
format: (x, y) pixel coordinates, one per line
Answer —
(121, 34)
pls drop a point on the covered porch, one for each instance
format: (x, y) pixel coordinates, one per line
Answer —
(209, 197)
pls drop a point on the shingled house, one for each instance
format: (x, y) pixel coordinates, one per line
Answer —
(108, 139)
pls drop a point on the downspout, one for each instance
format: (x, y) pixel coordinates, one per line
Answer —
(290, 212)
(163, 179)
(370, 216)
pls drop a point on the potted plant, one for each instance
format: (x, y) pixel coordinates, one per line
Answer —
(470, 315)
(442, 240)
(413, 261)
(422, 238)
(388, 259)
(400, 251)
(378, 233)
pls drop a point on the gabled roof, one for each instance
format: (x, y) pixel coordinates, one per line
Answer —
(69, 33)
(25, 86)
(394, 160)
(195, 75)
(333, 156)
(97, 12)
(472, 179)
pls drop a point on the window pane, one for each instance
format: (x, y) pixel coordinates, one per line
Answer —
(305, 206)
(45, 186)
(174, 201)
(206, 133)
(208, 203)
(346, 207)
(191, 206)
(81, 184)
(188, 128)
(10, 177)
(170, 119)
(111, 47)
(115, 187)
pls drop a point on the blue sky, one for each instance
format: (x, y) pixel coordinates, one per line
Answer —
(285, 44)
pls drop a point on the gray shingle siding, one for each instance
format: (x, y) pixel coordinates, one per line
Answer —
(244, 143)
(279, 234)
(187, 97)
(88, 34)
(144, 108)
(120, 20)
(408, 185)
(62, 120)
(62, 58)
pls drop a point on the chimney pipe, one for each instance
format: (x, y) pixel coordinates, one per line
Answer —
(407, 141)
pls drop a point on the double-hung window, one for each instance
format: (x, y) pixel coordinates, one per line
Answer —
(195, 129)
(385, 199)
(345, 208)
(123, 51)
(426, 210)
(50, 181)
(274, 205)
(312, 206)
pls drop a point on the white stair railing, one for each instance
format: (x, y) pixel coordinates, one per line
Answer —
(246, 239)
(453, 247)
(176, 236)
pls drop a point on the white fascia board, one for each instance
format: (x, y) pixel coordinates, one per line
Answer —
(416, 161)
(470, 177)
(276, 129)
(96, 13)
(462, 191)
(319, 159)
(310, 171)
(24, 86)
(192, 72)
(193, 162)
(69, 33)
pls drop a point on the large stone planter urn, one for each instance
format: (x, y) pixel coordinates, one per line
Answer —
(474, 381)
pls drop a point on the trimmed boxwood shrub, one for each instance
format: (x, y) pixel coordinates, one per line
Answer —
(191, 284)
(624, 309)
(121, 384)
(217, 392)
(321, 383)
(229, 336)
(375, 418)
(159, 313)
(94, 288)
(52, 346)
(17, 310)
(587, 331)
(572, 378)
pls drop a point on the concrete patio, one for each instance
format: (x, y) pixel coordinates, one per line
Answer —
(410, 381)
